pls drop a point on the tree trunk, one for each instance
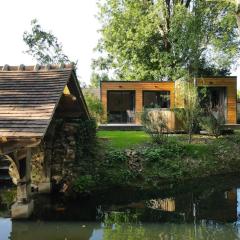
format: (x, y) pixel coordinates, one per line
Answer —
(238, 13)
(190, 136)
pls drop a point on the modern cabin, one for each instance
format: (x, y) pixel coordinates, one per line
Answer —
(124, 101)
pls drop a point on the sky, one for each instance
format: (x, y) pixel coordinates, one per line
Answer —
(73, 22)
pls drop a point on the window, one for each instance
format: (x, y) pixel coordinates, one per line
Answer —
(156, 99)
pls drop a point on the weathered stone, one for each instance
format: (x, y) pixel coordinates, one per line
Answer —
(22, 210)
(44, 187)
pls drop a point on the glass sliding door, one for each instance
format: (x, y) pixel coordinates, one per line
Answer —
(214, 99)
(121, 106)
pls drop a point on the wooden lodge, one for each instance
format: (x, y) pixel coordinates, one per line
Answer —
(32, 99)
(124, 101)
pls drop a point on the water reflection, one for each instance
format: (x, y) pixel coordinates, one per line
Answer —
(209, 213)
(94, 231)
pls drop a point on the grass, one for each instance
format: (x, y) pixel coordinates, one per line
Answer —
(151, 166)
(124, 139)
(129, 139)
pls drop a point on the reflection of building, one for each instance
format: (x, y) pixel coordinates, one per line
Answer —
(219, 206)
(167, 204)
(238, 110)
(123, 101)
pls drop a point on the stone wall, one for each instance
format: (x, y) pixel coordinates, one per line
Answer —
(64, 151)
(62, 155)
(54, 159)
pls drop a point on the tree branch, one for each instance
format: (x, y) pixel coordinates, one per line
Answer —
(187, 3)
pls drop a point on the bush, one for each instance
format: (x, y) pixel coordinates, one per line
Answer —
(86, 138)
(169, 150)
(95, 107)
(84, 183)
(155, 125)
(213, 122)
(182, 117)
(115, 157)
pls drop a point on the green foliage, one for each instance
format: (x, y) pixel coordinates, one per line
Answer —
(44, 46)
(115, 157)
(213, 123)
(189, 113)
(155, 40)
(172, 161)
(95, 106)
(96, 78)
(85, 138)
(120, 218)
(123, 225)
(84, 183)
(7, 197)
(170, 150)
(238, 94)
(155, 124)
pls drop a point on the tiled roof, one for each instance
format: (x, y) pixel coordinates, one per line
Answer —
(28, 98)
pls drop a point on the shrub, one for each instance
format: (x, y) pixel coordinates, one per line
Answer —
(155, 124)
(86, 138)
(84, 183)
(115, 157)
(95, 107)
(213, 122)
(158, 153)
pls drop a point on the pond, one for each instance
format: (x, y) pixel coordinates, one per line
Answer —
(200, 209)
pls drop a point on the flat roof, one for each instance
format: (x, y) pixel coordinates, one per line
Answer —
(139, 81)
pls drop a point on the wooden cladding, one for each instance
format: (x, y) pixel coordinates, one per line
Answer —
(140, 87)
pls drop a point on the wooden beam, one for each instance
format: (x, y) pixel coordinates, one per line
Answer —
(13, 146)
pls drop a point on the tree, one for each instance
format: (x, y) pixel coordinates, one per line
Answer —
(190, 111)
(44, 46)
(160, 39)
(238, 12)
(96, 78)
(94, 105)
(238, 94)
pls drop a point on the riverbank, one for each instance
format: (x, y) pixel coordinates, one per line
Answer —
(146, 165)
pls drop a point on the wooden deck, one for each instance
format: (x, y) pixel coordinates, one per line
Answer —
(232, 126)
(120, 127)
(139, 127)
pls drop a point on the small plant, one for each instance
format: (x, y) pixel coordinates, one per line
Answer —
(155, 124)
(213, 121)
(84, 183)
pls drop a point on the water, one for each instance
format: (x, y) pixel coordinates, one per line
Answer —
(201, 210)
(96, 231)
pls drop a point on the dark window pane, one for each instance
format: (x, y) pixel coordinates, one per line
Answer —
(156, 99)
(164, 99)
(120, 106)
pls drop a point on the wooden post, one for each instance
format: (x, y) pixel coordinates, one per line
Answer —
(139, 105)
(24, 205)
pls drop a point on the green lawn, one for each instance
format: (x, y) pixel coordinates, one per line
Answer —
(128, 139)
(124, 139)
